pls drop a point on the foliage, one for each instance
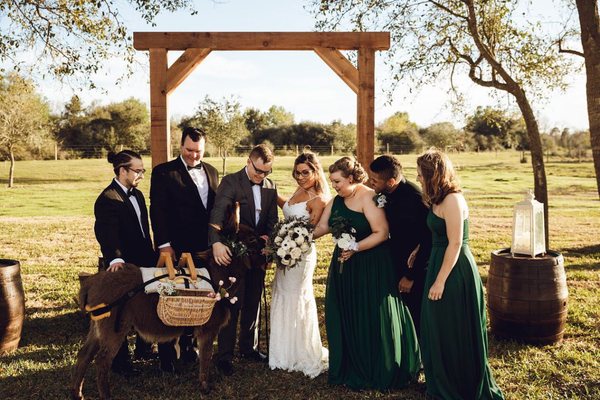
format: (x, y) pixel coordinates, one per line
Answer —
(494, 128)
(224, 124)
(441, 135)
(344, 136)
(73, 37)
(24, 116)
(109, 127)
(398, 132)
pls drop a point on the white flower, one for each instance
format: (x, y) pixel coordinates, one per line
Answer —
(232, 279)
(300, 239)
(221, 283)
(233, 300)
(296, 253)
(278, 240)
(381, 200)
(304, 247)
(292, 244)
(286, 261)
(226, 295)
(298, 230)
(217, 297)
(343, 243)
(281, 252)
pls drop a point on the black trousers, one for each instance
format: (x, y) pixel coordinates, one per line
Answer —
(247, 310)
(413, 301)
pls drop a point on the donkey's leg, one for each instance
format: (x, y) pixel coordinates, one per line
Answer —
(206, 336)
(110, 343)
(84, 358)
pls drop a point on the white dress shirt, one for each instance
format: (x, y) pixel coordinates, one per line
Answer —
(256, 194)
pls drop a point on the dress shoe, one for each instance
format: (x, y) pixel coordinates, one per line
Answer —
(125, 369)
(255, 356)
(225, 367)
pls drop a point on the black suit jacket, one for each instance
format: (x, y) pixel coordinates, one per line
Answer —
(118, 230)
(176, 210)
(407, 217)
(237, 187)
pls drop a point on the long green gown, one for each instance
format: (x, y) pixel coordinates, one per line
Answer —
(454, 341)
(372, 340)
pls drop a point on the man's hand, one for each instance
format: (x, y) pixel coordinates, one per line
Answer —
(169, 250)
(221, 254)
(115, 267)
(405, 285)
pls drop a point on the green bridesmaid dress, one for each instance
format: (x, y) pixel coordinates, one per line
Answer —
(372, 340)
(454, 340)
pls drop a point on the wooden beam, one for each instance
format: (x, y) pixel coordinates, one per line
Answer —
(261, 40)
(184, 66)
(159, 113)
(365, 127)
(340, 65)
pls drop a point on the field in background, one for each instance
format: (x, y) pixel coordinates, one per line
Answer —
(46, 222)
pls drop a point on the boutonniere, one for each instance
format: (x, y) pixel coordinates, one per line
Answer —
(380, 200)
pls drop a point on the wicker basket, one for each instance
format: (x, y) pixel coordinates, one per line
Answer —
(186, 308)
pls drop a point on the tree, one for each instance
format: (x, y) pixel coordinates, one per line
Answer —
(344, 136)
(486, 40)
(277, 116)
(224, 123)
(442, 135)
(73, 38)
(492, 128)
(24, 117)
(589, 32)
(400, 133)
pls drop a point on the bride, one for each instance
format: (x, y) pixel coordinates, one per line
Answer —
(295, 341)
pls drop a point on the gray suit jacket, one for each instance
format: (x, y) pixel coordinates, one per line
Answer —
(237, 187)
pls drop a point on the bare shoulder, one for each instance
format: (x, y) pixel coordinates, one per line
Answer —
(454, 202)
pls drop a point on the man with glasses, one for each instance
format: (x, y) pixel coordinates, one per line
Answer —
(123, 233)
(257, 196)
(182, 194)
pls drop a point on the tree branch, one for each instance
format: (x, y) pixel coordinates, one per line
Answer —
(568, 51)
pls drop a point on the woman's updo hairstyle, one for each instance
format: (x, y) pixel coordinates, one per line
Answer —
(348, 166)
(121, 159)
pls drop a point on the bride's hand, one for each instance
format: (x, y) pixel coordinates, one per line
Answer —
(346, 254)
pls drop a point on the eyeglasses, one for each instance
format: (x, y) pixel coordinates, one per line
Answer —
(137, 171)
(260, 171)
(304, 173)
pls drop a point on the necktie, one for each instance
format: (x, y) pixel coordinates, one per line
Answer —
(199, 166)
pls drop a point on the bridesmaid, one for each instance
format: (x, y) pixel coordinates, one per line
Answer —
(453, 322)
(372, 340)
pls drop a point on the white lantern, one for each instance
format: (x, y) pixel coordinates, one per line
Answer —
(528, 235)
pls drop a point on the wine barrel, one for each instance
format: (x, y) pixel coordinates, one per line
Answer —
(12, 305)
(527, 297)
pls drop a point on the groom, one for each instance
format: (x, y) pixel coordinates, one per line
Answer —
(406, 215)
(257, 196)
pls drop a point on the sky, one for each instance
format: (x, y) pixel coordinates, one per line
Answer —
(299, 81)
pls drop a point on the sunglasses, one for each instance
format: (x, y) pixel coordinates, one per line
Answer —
(260, 171)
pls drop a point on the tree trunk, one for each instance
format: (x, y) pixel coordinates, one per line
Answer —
(11, 170)
(590, 40)
(224, 158)
(537, 157)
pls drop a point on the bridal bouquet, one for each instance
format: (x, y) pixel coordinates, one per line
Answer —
(343, 235)
(290, 240)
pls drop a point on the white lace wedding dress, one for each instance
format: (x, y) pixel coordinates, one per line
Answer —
(295, 340)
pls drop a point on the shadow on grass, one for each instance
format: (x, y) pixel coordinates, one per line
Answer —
(65, 328)
(593, 249)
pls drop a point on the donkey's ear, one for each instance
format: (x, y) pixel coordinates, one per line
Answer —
(232, 223)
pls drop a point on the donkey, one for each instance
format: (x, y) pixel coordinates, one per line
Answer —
(106, 335)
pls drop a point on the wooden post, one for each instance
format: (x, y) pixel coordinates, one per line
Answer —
(331, 149)
(159, 115)
(55, 151)
(365, 128)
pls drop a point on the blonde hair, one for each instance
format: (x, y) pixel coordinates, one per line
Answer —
(437, 173)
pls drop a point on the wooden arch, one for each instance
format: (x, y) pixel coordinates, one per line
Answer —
(197, 45)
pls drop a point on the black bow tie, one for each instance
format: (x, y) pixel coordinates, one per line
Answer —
(199, 166)
(257, 184)
(130, 192)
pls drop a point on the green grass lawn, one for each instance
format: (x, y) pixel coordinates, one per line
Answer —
(46, 222)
